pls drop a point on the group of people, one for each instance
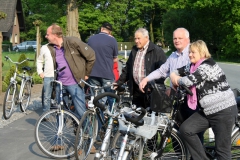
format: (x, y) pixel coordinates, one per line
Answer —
(211, 105)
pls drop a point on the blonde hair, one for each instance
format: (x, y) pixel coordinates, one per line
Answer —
(201, 47)
(56, 29)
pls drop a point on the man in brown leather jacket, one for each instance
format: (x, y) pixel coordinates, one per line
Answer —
(77, 57)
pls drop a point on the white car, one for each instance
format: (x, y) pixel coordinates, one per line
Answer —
(24, 46)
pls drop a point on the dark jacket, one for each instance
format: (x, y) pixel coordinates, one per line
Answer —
(80, 57)
(154, 58)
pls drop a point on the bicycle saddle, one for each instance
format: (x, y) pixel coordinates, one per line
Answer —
(130, 117)
(26, 68)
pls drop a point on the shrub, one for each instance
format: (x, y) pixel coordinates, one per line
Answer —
(8, 75)
(20, 59)
(4, 86)
(36, 78)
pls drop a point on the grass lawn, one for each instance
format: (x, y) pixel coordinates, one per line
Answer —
(15, 56)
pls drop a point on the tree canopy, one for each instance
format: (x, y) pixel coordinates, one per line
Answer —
(216, 22)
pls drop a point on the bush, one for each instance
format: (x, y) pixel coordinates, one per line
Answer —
(4, 86)
(20, 59)
(36, 78)
(8, 75)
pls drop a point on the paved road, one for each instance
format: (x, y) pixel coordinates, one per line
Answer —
(17, 134)
(232, 74)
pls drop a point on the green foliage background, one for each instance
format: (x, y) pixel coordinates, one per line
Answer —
(216, 22)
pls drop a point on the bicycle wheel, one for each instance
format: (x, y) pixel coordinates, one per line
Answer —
(136, 151)
(10, 100)
(26, 95)
(174, 149)
(235, 148)
(51, 139)
(86, 135)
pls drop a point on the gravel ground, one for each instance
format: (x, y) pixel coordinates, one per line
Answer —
(34, 104)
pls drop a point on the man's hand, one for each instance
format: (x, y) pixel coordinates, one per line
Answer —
(86, 78)
(115, 85)
(142, 84)
(174, 78)
(41, 75)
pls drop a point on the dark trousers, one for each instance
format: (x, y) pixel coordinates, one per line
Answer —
(184, 113)
(140, 99)
(221, 123)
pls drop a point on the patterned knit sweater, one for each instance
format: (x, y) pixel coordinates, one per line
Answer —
(213, 91)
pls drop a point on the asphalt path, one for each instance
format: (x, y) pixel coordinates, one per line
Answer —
(17, 134)
(232, 73)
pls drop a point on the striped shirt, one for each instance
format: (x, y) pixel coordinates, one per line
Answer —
(139, 64)
(174, 61)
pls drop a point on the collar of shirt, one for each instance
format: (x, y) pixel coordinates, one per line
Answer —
(145, 47)
(56, 47)
(184, 52)
(104, 33)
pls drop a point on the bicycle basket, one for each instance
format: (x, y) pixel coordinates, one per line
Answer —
(148, 130)
(162, 99)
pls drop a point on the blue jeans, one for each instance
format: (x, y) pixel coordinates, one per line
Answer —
(77, 95)
(97, 81)
(47, 93)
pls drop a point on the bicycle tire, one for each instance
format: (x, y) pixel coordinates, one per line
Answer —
(136, 151)
(86, 135)
(46, 137)
(235, 147)
(10, 100)
(175, 147)
(26, 95)
(177, 150)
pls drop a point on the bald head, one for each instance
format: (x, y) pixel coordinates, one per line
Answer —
(181, 39)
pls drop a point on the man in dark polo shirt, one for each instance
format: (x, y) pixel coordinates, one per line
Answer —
(106, 51)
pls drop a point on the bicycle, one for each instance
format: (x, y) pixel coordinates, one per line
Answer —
(183, 154)
(128, 142)
(209, 144)
(158, 134)
(14, 95)
(55, 129)
(111, 127)
(88, 126)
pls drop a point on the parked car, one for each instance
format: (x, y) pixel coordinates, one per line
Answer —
(25, 46)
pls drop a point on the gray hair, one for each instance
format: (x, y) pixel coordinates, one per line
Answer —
(185, 30)
(143, 31)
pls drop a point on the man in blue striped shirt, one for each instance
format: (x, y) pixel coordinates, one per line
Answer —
(177, 59)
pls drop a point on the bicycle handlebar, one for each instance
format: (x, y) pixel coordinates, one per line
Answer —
(100, 96)
(187, 90)
(8, 58)
(60, 70)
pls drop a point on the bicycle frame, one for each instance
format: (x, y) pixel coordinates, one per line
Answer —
(17, 97)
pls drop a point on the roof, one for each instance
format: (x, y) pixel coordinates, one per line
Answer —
(9, 7)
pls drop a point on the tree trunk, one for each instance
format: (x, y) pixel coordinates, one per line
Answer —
(38, 45)
(72, 19)
(1, 39)
(151, 32)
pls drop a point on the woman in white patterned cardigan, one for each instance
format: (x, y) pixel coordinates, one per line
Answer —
(213, 94)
